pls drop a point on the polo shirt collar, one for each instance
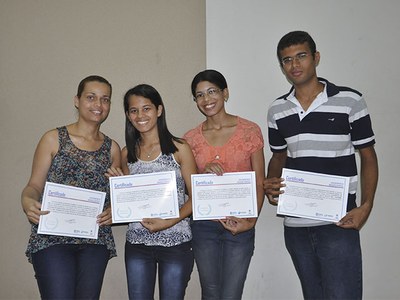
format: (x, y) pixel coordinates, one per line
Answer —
(331, 89)
(319, 100)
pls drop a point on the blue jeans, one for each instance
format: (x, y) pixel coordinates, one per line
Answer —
(70, 271)
(327, 260)
(222, 259)
(175, 265)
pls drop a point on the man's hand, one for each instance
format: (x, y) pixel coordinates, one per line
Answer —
(355, 218)
(272, 189)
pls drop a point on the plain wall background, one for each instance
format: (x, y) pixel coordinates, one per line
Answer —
(358, 41)
(47, 47)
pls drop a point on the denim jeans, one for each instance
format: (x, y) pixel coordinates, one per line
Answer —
(222, 259)
(175, 265)
(70, 271)
(327, 260)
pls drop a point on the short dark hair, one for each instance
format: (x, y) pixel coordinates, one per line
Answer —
(132, 135)
(91, 78)
(295, 38)
(212, 76)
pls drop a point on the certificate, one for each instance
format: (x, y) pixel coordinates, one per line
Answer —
(216, 197)
(73, 211)
(313, 195)
(151, 195)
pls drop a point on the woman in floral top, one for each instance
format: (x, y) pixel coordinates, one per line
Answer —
(223, 143)
(77, 155)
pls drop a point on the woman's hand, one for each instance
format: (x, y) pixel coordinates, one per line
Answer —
(157, 224)
(105, 218)
(238, 225)
(113, 171)
(214, 167)
(32, 209)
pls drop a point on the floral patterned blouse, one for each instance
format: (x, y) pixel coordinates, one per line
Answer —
(175, 235)
(75, 167)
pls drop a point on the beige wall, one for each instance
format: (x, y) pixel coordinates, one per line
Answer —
(47, 47)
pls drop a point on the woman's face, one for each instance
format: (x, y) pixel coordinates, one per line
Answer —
(95, 102)
(142, 113)
(210, 99)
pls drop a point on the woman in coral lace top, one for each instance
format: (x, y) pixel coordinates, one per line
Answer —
(224, 143)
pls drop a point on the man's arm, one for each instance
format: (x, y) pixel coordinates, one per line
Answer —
(357, 217)
(273, 182)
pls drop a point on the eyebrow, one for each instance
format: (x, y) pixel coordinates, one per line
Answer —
(144, 106)
(302, 52)
(210, 88)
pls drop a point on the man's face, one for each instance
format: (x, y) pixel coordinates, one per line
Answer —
(298, 64)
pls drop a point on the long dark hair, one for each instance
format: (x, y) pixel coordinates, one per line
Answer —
(132, 135)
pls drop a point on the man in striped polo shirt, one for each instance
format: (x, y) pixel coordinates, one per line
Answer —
(318, 127)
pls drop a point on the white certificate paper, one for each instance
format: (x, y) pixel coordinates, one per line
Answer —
(216, 197)
(151, 195)
(313, 195)
(73, 211)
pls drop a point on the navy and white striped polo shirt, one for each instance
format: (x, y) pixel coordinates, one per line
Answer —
(324, 138)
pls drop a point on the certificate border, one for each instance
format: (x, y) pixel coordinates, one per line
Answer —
(117, 220)
(250, 174)
(41, 229)
(346, 180)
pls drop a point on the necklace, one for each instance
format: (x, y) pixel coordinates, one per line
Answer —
(148, 155)
(151, 151)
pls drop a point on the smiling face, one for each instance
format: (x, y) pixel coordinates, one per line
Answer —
(142, 113)
(94, 102)
(301, 68)
(210, 98)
